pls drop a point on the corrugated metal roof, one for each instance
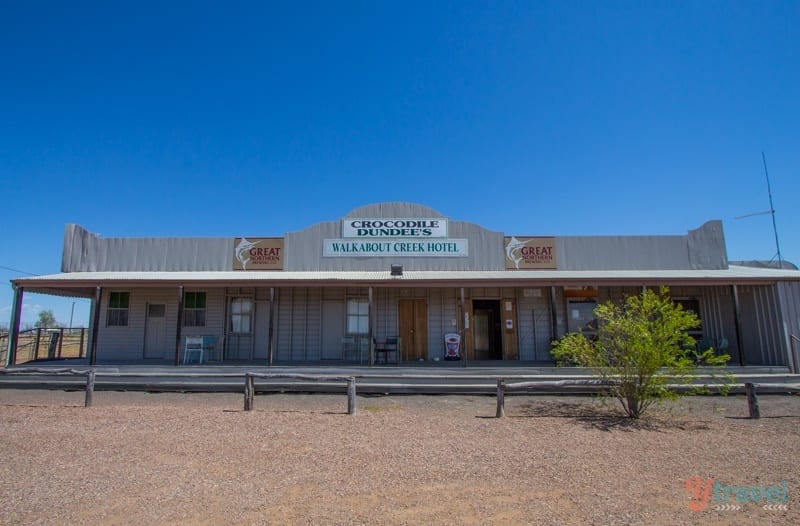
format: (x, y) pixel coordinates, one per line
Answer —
(733, 274)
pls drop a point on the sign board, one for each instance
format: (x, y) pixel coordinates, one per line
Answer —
(394, 227)
(526, 253)
(412, 247)
(258, 253)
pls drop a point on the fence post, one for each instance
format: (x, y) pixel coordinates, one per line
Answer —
(36, 347)
(351, 396)
(80, 348)
(752, 400)
(501, 399)
(89, 388)
(249, 389)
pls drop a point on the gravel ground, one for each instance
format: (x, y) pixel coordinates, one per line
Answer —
(137, 458)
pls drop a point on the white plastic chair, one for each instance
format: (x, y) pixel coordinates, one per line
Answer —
(193, 345)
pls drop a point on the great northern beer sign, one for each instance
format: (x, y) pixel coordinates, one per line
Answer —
(258, 253)
(527, 253)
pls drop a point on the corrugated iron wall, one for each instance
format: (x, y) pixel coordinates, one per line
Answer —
(535, 324)
(789, 295)
(761, 325)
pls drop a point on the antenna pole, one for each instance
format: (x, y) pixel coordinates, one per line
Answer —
(772, 211)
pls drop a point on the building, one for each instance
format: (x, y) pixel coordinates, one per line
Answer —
(331, 292)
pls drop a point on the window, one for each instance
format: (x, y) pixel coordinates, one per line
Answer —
(194, 309)
(692, 305)
(357, 316)
(241, 315)
(581, 317)
(117, 315)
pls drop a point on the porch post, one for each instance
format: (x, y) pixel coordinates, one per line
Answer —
(270, 329)
(737, 324)
(179, 326)
(371, 323)
(13, 328)
(553, 314)
(94, 324)
(463, 342)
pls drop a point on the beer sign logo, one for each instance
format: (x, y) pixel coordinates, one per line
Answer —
(525, 253)
(264, 253)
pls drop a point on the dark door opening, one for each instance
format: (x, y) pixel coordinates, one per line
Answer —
(488, 342)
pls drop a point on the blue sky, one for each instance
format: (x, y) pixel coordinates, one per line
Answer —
(258, 118)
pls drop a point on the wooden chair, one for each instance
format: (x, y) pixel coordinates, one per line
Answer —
(379, 348)
(385, 348)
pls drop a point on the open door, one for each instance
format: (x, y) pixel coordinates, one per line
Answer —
(487, 334)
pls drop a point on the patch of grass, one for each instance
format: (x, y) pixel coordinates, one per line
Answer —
(380, 408)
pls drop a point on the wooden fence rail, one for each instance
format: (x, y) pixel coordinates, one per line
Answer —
(753, 408)
(249, 386)
(249, 381)
(502, 388)
(544, 386)
(89, 373)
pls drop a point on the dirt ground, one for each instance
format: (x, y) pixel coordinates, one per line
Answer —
(137, 458)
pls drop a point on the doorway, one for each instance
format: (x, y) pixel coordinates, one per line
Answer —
(332, 330)
(488, 336)
(413, 323)
(155, 332)
(239, 329)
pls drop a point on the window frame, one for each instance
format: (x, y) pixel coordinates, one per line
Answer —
(117, 314)
(241, 316)
(357, 323)
(688, 303)
(194, 316)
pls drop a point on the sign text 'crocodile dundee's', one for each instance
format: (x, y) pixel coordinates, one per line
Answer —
(394, 227)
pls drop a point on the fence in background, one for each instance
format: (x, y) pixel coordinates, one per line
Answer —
(42, 343)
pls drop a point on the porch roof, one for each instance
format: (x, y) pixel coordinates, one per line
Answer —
(84, 283)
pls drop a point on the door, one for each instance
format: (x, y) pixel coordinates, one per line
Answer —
(487, 339)
(261, 330)
(413, 323)
(155, 332)
(239, 333)
(332, 330)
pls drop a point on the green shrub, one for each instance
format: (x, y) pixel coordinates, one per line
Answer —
(642, 349)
